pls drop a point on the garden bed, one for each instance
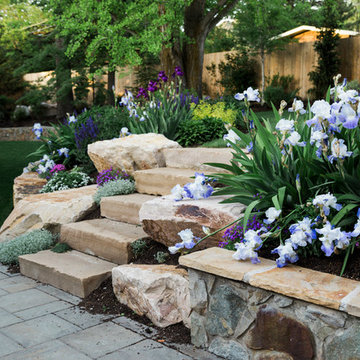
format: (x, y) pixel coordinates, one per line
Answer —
(290, 311)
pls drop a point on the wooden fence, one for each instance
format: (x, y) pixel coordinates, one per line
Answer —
(296, 59)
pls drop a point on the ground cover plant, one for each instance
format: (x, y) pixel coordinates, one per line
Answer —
(301, 181)
(13, 158)
(28, 243)
(114, 187)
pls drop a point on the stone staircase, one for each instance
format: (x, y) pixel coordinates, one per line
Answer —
(101, 244)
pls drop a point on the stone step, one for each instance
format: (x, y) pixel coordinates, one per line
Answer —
(72, 271)
(160, 181)
(195, 158)
(124, 208)
(104, 238)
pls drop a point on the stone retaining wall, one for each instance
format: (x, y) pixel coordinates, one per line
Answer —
(20, 133)
(237, 320)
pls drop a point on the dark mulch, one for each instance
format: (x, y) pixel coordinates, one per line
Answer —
(13, 268)
(331, 265)
(149, 254)
(103, 301)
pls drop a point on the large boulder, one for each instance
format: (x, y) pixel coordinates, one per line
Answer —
(160, 292)
(49, 211)
(131, 153)
(27, 184)
(163, 218)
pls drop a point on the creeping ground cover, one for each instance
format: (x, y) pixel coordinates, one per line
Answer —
(299, 179)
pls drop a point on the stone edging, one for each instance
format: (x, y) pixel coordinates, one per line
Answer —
(24, 133)
(309, 285)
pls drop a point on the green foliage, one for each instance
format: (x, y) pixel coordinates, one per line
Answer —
(64, 180)
(61, 248)
(280, 88)
(289, 177)
(219, 39)
(28, 243)
(326, 48)
(147, 71)
(12, 161)
(196, 132)
(138, 247)
(237, 72)
(105, 121)
(218, 110)
(163, 112)
(161, 257)
(217, 143)
(353, 85)
(116, 187)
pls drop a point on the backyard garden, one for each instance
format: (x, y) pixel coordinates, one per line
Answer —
(229, 221)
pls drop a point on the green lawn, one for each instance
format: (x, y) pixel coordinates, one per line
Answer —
(13, 158)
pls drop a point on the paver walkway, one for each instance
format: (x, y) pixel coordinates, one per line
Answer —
(40, 322)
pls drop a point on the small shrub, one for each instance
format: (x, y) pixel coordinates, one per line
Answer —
(195, 132)
(280, 88)
(139, 247)
(61, 248)
(65, 180)
(218, 110)
(29, 243)
(115, 187)
(353, 85)
(161, 257)
(238, 72)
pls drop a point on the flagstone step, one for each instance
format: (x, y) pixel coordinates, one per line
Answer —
(104, 238)
(74, 272)
(160, 181)
(195, 158)
(124, 208)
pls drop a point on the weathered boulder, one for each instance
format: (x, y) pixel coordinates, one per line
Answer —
(27, 184)
(131, 153)
(49, 211)
(160, 292)
(163, 218)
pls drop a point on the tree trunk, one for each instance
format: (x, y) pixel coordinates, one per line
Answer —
(193, 52)
(64, 93)
(111, 87)
(198, 21)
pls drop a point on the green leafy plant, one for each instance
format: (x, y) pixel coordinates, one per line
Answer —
(161, 257)
(115, 187)
(61, 248)
(289, 172)
(206, 109)
(196, 132)
(28, 243)
(280, 88)
(138, 247)
(237, 72)
(65, 180)
(164, 107)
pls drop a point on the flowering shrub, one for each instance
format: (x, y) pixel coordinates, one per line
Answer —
(114, 187)
(65, 180)
(307, 175)
(67, 143)
(110, 175)
(162, 109)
